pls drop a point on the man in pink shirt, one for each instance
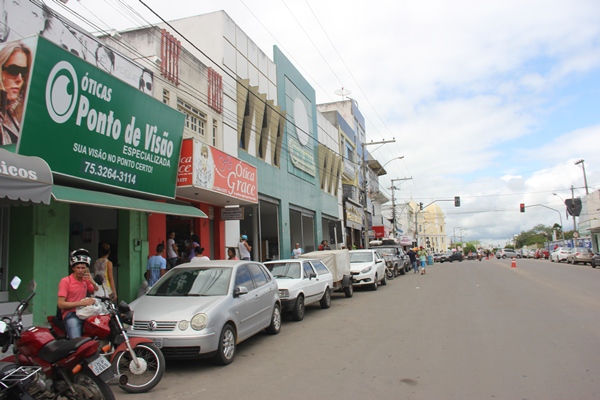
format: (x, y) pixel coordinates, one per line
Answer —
(73, 291)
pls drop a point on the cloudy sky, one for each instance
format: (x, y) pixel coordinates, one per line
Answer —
(492, 101)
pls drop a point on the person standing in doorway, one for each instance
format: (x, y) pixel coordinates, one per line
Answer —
(172, 251)
(297, 251)
(324, 245)
(104, 267)
(244, 248)
(231, 254)
(156, 266)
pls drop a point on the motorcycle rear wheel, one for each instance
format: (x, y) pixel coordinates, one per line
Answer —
(153, 362)
(86, 383)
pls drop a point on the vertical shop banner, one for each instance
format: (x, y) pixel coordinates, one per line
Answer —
(217, 171)
(91, 126)
(186, 164)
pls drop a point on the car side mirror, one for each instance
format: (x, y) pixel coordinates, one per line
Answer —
(239, 291)
(312, 275)
(378, 260)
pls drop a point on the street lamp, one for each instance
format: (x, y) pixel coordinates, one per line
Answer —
(395, 158)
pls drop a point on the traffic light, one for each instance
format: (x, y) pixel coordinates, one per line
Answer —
(456, 201)
(421, 206)
(522, 205)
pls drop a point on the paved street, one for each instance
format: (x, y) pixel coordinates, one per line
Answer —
(470, 330)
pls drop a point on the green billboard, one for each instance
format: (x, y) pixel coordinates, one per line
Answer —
(89, 125)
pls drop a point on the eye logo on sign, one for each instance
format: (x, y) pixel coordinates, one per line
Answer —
(61, 92)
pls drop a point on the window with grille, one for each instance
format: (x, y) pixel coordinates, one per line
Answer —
(195, 119)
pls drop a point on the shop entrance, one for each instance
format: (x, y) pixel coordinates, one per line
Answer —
(302, 229)
(90, 228)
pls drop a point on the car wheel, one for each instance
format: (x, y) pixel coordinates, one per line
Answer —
(503, 257)
(374, 285)
(275, 326)
(593, 264)
(326, 299)
(403, 270)
(384, 280)
(299, 309)
(226, 352)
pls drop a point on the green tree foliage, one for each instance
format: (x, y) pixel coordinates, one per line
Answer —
(536, 236)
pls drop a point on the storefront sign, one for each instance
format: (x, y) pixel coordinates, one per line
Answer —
(228, 214)
(214, 170)
(354, 216)
(379, 231)
(91, 126)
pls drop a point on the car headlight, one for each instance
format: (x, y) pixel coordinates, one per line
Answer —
(284, 293)
(183, 325)
(367, 269)
(199, 322)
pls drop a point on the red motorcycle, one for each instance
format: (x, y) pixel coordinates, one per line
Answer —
(138, 358)
(72, 369)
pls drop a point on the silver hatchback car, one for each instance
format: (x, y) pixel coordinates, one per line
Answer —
(206, 308)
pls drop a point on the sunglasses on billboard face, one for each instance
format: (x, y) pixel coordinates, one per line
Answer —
(15, 70)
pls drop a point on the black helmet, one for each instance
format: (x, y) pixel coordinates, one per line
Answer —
(80, 256)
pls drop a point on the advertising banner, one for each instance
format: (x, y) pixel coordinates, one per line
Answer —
(217, 171)
(92, 126)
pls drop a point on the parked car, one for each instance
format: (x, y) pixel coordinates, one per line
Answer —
(395, 258)
(541, 253)
(367, 267)
(436, 257)
(301, 282)
(559, 254)
(580, 255)
(507, 253)
(451, 256)
(595, 260)
(205, 308)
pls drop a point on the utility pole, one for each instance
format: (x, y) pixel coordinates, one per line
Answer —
(364, 185)
(584, 177)
(394, 205)
(574, 218)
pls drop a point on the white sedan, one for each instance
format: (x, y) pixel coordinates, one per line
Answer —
(367, 267)
(560, 254)
(301, 282)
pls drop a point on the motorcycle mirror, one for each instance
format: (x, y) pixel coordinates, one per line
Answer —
(99, 279)
(2, 326)
(16, 281)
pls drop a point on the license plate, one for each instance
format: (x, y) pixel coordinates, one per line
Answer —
(158, 342)
(99, 365)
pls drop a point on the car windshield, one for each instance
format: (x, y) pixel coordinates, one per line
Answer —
(205, 281)
(361, 257)
(285, 270)
(387, 251)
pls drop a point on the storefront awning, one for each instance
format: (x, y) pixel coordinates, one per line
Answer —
(99, 199)
(24, 179)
